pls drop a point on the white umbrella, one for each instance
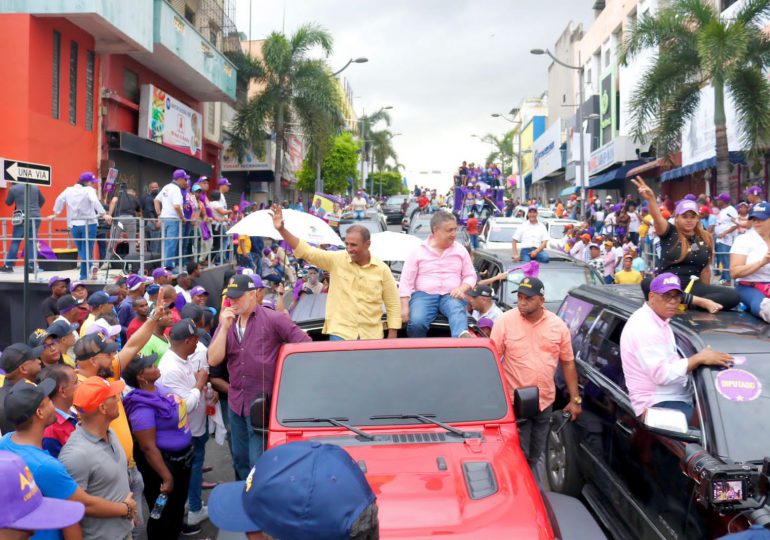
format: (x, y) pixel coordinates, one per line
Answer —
(304, 226)
(392, 246)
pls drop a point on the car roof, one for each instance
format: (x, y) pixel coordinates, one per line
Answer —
(504, 256)
(728, 331)
(505, 221)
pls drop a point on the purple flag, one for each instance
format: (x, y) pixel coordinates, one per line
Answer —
(530, 269)
(44, 250)
(205, 232)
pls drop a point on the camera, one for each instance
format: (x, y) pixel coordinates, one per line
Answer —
(720, 485)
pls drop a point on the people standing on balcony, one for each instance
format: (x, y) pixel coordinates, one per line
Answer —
(168, 205)
(15, 197)
(126, 208)
(83, 212)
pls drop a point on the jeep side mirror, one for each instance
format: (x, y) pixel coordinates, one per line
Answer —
(671, 424)
(259, 413)
(526, 402)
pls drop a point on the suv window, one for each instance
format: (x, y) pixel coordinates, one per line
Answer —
(457, 385)
(604, 348)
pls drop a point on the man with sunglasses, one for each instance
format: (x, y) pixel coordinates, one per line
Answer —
(656, 376)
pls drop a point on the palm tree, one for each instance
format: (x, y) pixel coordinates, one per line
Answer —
(366, 124)
(696, 47)
(501, 150)
(382, 148)
(295, 90)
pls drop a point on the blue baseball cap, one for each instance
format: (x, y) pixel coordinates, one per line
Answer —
(300, 490)
(760, 211)
(99, 298)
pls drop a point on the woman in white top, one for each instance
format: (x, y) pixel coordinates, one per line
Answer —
(750, 263)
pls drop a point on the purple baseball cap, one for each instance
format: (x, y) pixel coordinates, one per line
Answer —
(88, 176)
(686, 205)
(134, 281)
(198, 290)
(532, 207)
(161, 272)
(24, 506)
(56, 279)
(180, 173)
(257, 281)
(665, 282)
(724, 197)
(690, 197)
(202, 179)
(485, 322)
(75, 284)
(754, 190)
(223, 182)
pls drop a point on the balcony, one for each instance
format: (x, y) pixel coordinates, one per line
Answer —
(186, 59)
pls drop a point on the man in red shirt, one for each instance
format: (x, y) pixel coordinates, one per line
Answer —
(472, 227)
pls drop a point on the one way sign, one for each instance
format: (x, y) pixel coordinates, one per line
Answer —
(26, 173)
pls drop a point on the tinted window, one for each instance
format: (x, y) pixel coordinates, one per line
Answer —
(457, 385)
(395, 200)
(420, 228)
(558, 280)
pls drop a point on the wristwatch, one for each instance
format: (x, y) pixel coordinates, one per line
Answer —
(577, 400)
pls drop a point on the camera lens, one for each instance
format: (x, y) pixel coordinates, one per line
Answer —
(696, 459)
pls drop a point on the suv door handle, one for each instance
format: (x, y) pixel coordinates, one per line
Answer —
(625, 428)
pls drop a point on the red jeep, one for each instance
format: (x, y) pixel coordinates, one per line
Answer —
(430, 423)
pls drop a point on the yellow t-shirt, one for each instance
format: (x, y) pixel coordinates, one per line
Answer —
(246, 242)
(630, 277)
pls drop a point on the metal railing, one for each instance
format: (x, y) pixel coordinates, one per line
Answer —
(131, 244)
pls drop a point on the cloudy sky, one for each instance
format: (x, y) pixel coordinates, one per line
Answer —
(443, 65)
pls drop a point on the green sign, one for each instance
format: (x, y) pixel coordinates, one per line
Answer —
(608, 106)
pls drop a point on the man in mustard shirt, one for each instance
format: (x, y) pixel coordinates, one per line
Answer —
(628, 276)
(359, 285)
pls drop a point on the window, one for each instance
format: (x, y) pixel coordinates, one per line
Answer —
(189, 14)
(131, 85)
(211, 125)
(73, 82)
(55, 74)
(90, 67)
(727, 3)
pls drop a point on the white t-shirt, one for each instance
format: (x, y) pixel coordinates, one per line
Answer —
(169, 196)
(530, 235)
(493, 313)
(358, 203)
(754, 247)
(633, 225)
(725, 223)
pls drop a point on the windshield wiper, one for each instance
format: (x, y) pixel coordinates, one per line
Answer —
(339, 421)
(427, 418)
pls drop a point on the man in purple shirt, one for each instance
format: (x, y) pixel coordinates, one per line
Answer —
(435, 278)
(249, 338)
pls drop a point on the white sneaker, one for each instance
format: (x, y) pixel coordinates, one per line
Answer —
(465, 334)
(764, 310)
(193, 518)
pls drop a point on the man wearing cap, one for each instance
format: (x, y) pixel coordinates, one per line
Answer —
(655, 374)
(65, 334)
(581, 250)
(724, 233)
(628, 276)
(185, 374)
(20, 362)
(30, 410)
(83, 212)
(25, 509)
(530, 239)
(168, 205)
(58, 286)
(481, 299)
(101, 304)
(596, 261)
(184, 284)
(249, 338)
(94, 457)
(126, 313)
(331, 501)
(310, 284)
(533, 342)
(162, 276)
(359, 284)
(754, 195)
(199, 296)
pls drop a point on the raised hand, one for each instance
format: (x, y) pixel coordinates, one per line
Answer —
(645, 191)
(277, 213)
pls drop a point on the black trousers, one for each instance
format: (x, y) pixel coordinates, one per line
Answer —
(726, 296)
(179, 464)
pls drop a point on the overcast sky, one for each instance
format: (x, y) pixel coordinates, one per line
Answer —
(443, 65)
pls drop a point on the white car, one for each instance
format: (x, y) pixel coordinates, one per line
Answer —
(520, 212)
(556, 231)
(498, 232)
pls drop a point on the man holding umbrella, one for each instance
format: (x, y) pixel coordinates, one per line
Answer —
(359, 285)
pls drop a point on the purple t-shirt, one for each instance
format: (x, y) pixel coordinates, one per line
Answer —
(159, 410)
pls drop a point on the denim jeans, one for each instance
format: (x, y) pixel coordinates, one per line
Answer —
(541, 257)
(474, 241)
(170, 241)
(359, 214)
(751, 297)
(187, 242)
(196, 474)
(332, 337)
(722, 253)
(84, 237)
(248, 445)
(424, 307)
(18, 236)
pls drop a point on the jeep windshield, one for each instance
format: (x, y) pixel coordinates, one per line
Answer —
(502, 233)
(454, 385)
(558, 278)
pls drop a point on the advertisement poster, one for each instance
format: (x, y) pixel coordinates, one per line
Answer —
(167, 121)
(607, 106)
(250, 161)
(574, 312)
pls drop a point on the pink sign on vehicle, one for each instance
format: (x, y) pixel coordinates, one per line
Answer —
(738, 385)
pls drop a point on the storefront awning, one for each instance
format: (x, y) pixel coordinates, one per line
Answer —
(569, 190)
(132, 144)
(615, 174)
(654, 166)
(692, 168)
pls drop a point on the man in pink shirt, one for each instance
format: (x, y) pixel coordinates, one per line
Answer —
(435, 279)
(656, 376)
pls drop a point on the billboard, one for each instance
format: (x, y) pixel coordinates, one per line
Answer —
(607, 106)
(547, 152)
(168, 121)
(250, 161)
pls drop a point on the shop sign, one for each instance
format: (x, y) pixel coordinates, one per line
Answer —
(170, 122)
(547, 152)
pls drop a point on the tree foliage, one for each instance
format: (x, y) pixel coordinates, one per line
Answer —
(388, 182)
(502, 150)
(339, 165)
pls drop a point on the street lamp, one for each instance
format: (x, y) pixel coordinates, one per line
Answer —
(360, 60)
(581, 100)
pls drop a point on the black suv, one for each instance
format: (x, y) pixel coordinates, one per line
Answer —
(392, 208)
(638, 476)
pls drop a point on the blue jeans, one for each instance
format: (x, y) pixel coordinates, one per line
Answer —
(359, 214)
(248, 445)
(84, 237)
(424, 307)
(187, 241)
(541, 257)
(332, 337)
(751, 297)
(196, 474)
(686, 408)
(474, 241)
(170, 241)
(722, 252)
(18, 236)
